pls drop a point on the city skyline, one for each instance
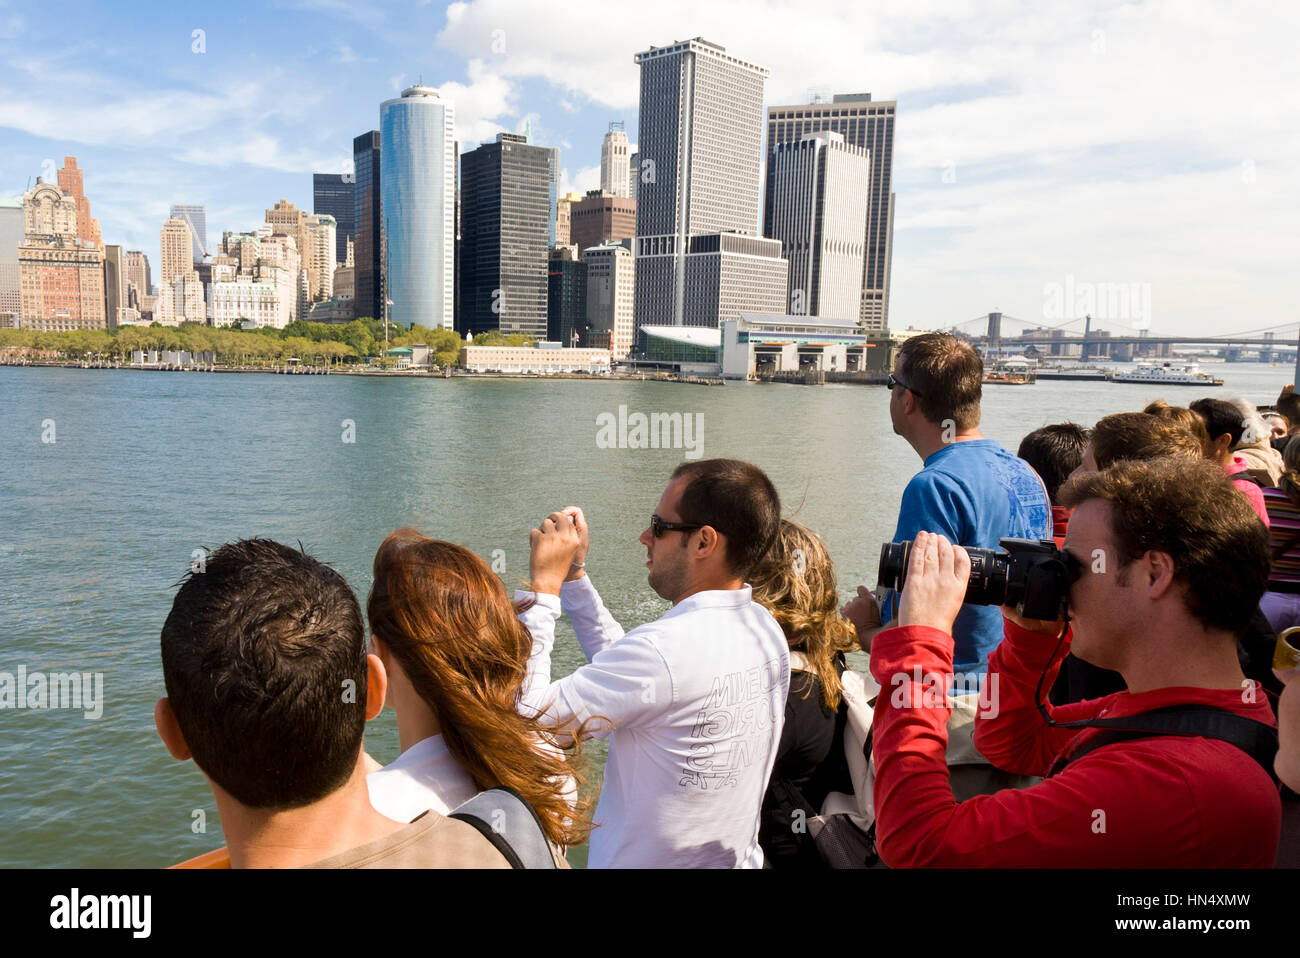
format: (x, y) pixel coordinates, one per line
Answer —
(1035, 149)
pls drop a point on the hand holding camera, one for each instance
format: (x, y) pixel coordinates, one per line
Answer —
(554, 547)
(937, 577)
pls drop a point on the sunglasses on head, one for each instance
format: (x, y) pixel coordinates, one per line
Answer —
(658, 526)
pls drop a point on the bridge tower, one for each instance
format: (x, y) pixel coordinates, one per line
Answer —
(995, 332)
(1087, 328)
(1266, 352)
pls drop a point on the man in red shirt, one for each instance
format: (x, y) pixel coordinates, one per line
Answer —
(1172, 563)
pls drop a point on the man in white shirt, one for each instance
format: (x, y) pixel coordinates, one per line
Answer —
(692, 703)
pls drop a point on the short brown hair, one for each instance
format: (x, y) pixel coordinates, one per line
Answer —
(946, 375)
(1142, 436)
(1184, 417)
(1192, 512)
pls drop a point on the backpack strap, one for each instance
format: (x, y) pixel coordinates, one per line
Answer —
(1256, 739)
(510, 824)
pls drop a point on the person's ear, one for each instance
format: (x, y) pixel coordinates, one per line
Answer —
(1158, 567)
(376, 685)
(709, 542)
(169, 730)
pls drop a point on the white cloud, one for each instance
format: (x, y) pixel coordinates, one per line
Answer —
(1103, 141)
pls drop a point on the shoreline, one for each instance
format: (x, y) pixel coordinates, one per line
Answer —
(381, 373)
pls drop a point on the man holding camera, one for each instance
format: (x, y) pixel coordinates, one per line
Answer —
(972, 491)
(1168, 562)
(693, 703)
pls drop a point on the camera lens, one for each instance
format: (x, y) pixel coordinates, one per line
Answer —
(988, 572)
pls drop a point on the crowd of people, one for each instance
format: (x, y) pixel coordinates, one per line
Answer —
(1143, 725)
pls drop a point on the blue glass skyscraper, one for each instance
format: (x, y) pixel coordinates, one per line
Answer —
(418, 186)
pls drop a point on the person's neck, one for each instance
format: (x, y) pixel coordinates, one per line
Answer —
(415, 723)
(931, 440)
(715, 584)
(1187, 655)
(292, 838)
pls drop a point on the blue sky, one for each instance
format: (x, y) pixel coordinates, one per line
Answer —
(1039, 146)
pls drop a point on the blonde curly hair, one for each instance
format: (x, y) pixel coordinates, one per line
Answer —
(796, 583)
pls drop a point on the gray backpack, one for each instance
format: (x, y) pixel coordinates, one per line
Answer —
(510, 824)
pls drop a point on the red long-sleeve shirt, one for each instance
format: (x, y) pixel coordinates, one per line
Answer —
(1158, 802)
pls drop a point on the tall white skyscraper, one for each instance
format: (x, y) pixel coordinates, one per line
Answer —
(615, 161)
(817, 189)
(418, 187)
(700, 151)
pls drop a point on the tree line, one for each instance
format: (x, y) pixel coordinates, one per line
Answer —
(311, 343)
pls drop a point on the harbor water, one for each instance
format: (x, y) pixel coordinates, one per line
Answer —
(111, 480)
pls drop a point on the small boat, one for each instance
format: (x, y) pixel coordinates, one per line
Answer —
(1166, 374)
(1011, 372)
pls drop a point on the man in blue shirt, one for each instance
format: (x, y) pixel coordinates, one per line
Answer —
(971, 491)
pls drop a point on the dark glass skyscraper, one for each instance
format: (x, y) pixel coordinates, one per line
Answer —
(332, 193)
(505, 225)
(367, 217)
(566, 296)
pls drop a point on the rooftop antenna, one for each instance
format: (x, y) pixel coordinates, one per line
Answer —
(616, 125)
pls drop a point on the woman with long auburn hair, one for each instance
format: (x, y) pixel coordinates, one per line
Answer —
(797, 585)
(456, 654)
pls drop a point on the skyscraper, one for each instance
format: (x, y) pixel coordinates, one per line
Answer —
(138, 280)
(11, 237)
(60, 273)
(553, 171)
(817, 190)
(196, 218)
(701, 131)
(566, 296)
(869, 125)
(600, 217)
(114, 285)
(418, 157)
(333, 195)
(367, 248)
(615, 161)
(505, 196)
(611, 285)
(175, 250)
(72, 182)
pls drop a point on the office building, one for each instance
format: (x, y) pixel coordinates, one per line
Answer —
(600, 217)
(564, 217)
(701, 130)
(175, 250)
(553, 195)
(615, 162)
(566, 297)
(139, 283)
(867, 124)
(11, 237)
(114, 285)
(333, 194)
(196, 219)
(322, 247)
(816, 205)
(367, 219)
(71, 181)
(634, 175)
(611, 296)
(60, 273)
(418, 185)
(505, 196)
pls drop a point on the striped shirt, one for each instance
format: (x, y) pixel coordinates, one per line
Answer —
(1283, 538)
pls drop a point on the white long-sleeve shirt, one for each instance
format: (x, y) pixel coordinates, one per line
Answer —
(694, 704)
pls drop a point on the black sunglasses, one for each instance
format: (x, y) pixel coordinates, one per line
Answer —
(658, 526)
(892, 382)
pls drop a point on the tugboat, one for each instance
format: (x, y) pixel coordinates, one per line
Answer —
(1010, 372)
(1166, 374)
